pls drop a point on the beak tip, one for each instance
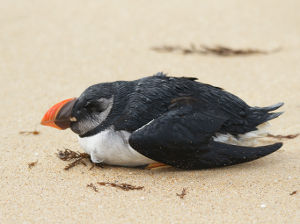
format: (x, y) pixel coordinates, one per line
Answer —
(50, 118)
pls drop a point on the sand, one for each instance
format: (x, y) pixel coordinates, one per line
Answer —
(53, 50)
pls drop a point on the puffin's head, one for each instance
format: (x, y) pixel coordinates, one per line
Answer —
(81, 114)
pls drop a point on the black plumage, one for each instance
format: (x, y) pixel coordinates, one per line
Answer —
(173, 120)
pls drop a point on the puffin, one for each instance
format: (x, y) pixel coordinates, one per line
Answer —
(161, 121)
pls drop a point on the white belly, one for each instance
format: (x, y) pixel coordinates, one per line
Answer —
(112, 147)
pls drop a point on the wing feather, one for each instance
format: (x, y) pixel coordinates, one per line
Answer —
(182, 137)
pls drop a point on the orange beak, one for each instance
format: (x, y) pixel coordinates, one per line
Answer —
(59, 115)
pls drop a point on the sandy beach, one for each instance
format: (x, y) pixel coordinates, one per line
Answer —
(53, 50)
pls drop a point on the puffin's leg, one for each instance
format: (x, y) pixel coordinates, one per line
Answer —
(156, 165)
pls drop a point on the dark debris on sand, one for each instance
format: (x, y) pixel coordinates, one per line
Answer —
(122, 186)
(290, 136)
(35, 132)
(91, 185)
(182, 194)
(69, 155)
(218, 50)
(32, 164)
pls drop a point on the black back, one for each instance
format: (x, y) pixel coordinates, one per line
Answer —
(138, 102)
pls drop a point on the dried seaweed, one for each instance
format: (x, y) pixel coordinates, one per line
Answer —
(32, 164)
(122, 186)
(35, 132)
(68, 155)
(290, 136)
(182, 194)
(294, 192)
(218, 50)
(96, 165)
(226, 51)
(91, 185)
(75, 163)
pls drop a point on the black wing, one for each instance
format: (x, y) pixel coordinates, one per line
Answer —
(182, 137)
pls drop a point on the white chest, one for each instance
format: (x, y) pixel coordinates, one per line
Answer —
(111, 147)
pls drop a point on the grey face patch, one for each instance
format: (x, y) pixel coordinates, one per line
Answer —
(94, 118)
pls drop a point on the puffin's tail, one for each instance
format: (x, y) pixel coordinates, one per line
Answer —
(271, 108)
(261, 115)
(271, 116)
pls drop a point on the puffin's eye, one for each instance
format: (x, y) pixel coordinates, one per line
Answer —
(95, 106)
